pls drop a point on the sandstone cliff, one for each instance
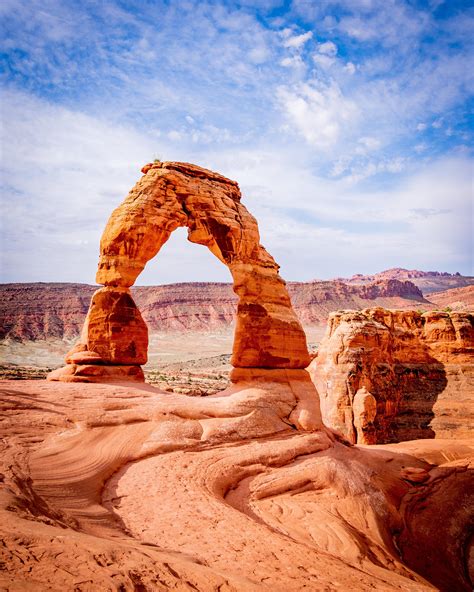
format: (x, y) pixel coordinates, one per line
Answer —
(389, 376)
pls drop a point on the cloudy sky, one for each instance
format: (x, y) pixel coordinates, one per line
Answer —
(347, 123)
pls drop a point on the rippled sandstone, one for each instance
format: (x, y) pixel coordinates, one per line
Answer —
(125, 487)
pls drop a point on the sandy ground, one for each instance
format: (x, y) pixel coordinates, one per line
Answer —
(121, 487)
(192, 363)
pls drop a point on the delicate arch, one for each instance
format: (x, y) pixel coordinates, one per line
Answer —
(169, 195)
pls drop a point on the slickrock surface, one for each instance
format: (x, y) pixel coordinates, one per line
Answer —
(124, 487)
(41, 311)
(418, 367)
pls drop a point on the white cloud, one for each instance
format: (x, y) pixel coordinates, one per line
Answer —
(325, 55)
(293, 62)
(369, 142)
(259, 54)
(327, 48)
(317, 113)
(421, 127)
(350, 68)
(296, 41)
(323, 61)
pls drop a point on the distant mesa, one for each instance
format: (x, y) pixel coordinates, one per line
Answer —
(427, 281)
(44, 310)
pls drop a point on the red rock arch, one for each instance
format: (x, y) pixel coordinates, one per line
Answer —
(169, 195)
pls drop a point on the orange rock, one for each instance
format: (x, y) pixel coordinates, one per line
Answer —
(364, 407)
(97, 373)
(172, 194)
(418, 367)
(414, 474)
(114, 330)
(114, 335)
(108, 486)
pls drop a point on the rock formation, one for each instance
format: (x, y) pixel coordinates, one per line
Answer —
(427, 281)
(268, 333)
(418, 367)
(125, 487)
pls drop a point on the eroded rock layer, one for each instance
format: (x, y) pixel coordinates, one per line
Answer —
(36, 311)
(114, 487)
(268, 333)
(388, 376)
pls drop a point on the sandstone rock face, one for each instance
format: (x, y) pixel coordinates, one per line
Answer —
(418, 367)
(268, 333)
(364, 409)
(114, 331)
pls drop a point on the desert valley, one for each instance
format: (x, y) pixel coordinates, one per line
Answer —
(216, 437)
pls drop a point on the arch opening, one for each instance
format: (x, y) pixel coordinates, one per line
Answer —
(170, 195)
(196, 264)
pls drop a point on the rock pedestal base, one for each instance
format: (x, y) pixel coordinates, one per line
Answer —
(97, 373)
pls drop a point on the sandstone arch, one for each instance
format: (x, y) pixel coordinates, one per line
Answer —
(114, 340)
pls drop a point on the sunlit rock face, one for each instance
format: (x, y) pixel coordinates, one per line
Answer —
(126, 487)
(418, 369)
(169, 195)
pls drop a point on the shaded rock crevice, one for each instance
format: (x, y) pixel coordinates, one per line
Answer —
(417, 368)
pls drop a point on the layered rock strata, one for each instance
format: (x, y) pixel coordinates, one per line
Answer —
(171, 194)
(388, 376)
(110, 487)
(36, 311)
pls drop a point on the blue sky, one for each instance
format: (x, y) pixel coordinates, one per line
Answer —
(347, 123)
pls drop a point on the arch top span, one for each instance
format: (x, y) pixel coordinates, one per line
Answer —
(173, 194)
(169, 195)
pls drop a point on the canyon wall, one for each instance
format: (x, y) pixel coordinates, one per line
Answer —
(390, 376)
(41, 310)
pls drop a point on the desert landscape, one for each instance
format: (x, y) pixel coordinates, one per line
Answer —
(237, 296)
(41, 321)
(257, 463)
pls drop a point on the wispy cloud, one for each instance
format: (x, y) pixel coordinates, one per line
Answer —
(344, 121)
